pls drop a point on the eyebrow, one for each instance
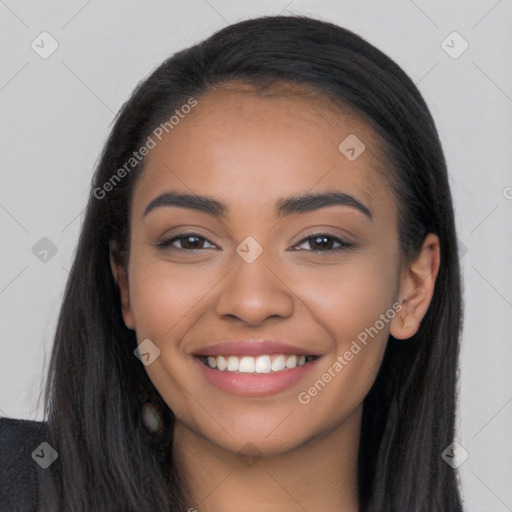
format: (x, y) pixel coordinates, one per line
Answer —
(283, 207)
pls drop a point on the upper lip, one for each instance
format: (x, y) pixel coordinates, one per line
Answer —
(251, 348)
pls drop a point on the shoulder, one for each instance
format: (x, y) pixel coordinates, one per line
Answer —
(25, 458)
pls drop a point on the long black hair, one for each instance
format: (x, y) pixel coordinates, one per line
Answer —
(96, 385)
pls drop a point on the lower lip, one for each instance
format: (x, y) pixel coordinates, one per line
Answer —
(254, 384)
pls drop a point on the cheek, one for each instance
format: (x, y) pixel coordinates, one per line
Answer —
(354, 304)
(349, 298)
(162, 295)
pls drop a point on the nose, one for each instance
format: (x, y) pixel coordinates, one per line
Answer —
(253, 292)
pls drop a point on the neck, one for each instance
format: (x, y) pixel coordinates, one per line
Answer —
(320, 474)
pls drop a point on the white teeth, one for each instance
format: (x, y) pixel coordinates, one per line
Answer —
(246, 365)
(233, 363)
(291, 362)
(278, 364)
(259, 364)
(221, 363)
(263, 364)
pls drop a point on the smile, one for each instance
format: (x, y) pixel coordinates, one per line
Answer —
(255, 376)
(265, 363)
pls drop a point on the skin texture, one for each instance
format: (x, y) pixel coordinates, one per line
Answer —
(248, 150)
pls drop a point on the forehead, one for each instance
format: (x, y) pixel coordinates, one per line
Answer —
(254, 146)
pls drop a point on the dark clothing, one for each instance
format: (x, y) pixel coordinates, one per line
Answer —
(27, 468)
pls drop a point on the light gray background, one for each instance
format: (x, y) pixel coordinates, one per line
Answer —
(56, 114)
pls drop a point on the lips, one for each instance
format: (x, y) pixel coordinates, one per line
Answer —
(252, 348)
(254, 368)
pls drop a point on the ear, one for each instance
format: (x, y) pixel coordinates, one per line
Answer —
(417, 287)
(121, 278)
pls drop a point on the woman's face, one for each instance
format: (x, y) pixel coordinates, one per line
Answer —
(269, 268)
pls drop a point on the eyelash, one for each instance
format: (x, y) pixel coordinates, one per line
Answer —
(165, 244)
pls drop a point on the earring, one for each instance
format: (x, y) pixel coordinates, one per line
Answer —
(151, 417)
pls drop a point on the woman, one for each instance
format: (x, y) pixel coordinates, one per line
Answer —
(264, 308)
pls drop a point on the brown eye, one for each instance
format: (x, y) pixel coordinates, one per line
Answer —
(323, 242)
(188, 241)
